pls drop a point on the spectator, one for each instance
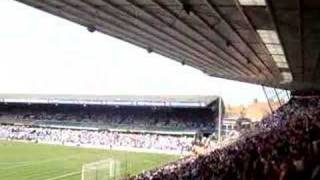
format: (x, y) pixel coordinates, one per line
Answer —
(283, 146)
(139, 118)
(97, 138)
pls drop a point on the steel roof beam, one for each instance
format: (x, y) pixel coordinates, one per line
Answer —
(203, 36)
(301, 36)
(231, 66)
(159, 41)
(206, 23)
(224, 19)
(124, 33)
(166, 42)
(206, 50)
(188, 49)
(274, 20)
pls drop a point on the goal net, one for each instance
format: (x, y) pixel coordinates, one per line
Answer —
(101, 170)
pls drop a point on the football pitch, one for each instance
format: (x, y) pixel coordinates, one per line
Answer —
(28, 161)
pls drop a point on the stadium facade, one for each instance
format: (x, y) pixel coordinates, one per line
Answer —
(139, 123)
(101, 111)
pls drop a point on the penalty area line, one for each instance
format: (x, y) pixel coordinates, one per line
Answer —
(64, 175)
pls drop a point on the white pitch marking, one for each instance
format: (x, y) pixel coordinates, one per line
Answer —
(64, 175)
(35, 162)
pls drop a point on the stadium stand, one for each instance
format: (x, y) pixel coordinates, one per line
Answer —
(285, 145)
(152, 118)
(150, 127)
(103, 139)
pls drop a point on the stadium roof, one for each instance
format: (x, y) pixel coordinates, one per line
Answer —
(270, 42)
(118, 100)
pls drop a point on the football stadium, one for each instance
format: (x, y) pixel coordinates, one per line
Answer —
(107, 135)
(268, 43)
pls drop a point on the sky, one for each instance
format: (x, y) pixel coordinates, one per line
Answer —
(43, 54)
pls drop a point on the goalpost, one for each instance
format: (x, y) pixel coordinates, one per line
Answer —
(101, 170)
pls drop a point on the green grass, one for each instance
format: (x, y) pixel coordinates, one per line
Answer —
(27, 161)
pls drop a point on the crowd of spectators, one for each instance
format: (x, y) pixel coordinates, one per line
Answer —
(105, 139)
(112, 117)
(283, 146)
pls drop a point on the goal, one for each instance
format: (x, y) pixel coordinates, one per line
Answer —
(108, 169)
